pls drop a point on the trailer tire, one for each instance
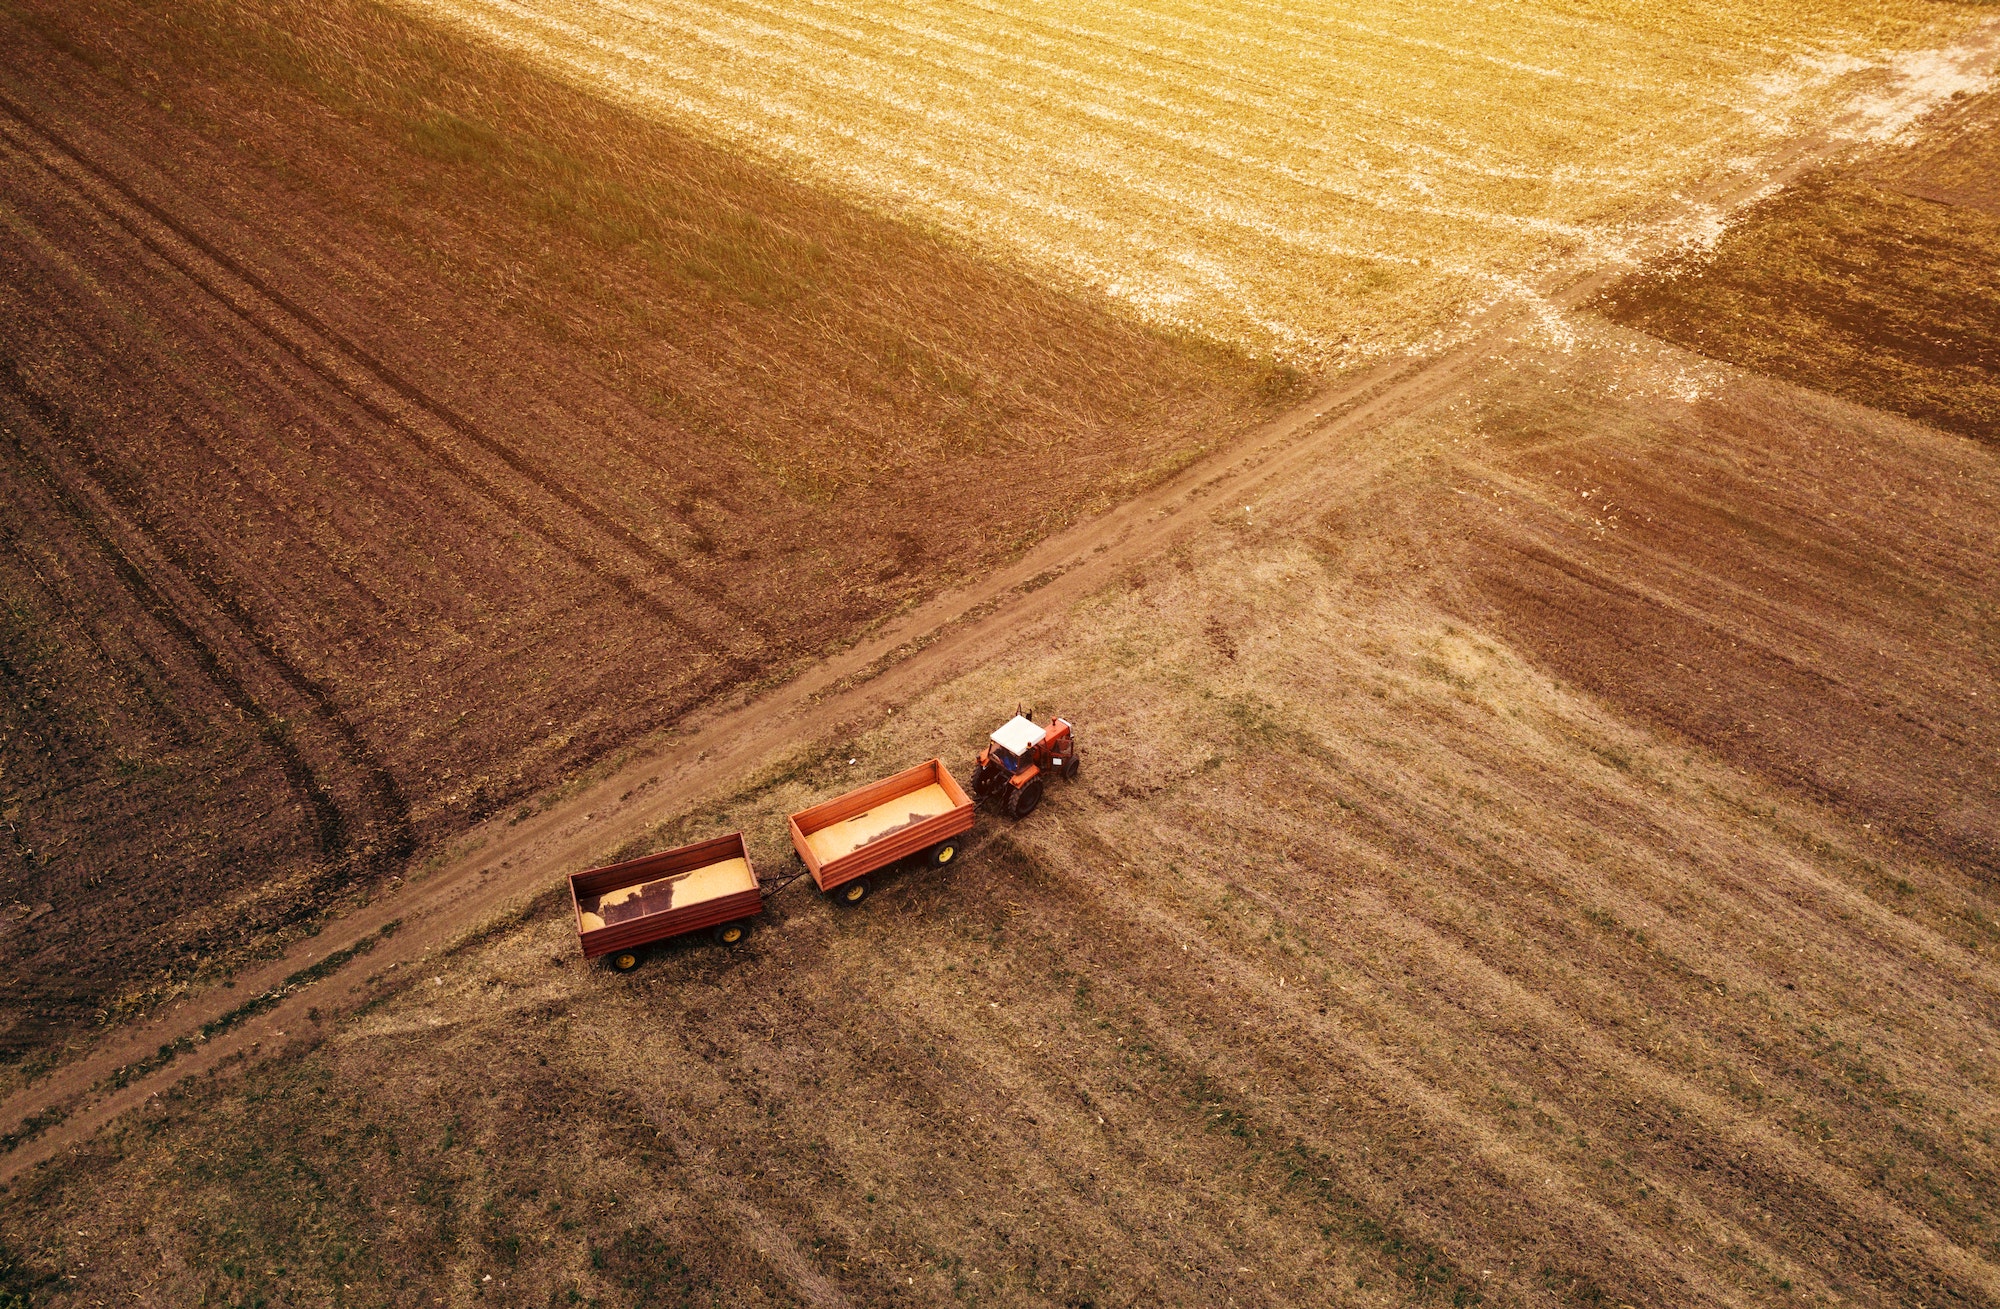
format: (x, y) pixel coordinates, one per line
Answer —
(1021, 801)
(943, 853)
(624, 961)
(732, 933)
(850, 893)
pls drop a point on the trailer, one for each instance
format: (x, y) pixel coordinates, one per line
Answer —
(848, 837)
(707, 885)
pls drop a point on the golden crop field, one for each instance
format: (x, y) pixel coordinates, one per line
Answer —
(1323, 182)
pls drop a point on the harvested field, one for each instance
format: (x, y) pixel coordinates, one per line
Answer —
(1876, 285)
(1385, 952)
(1325, 183)
(1801, 589)
(388, 433)
(1956, 161)
(1539, 819)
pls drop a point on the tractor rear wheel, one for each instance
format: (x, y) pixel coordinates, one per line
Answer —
(1021, 801)
(848, 893)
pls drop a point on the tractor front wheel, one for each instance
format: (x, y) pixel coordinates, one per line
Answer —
(1071, 767)
(1021, 801)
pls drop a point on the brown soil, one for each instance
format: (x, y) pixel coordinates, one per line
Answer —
(1877, 285)
(1805, 592)
(1957, 163)
(391, 433)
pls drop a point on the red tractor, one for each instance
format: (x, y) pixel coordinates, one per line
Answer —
(1016, 760)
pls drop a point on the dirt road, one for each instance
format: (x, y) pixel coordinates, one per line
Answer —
(714, 750)
(721, 746)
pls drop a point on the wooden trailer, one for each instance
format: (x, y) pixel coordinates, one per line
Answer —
(846, 838)
(707, 885)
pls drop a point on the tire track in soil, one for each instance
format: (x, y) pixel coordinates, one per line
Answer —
(655, 564)
(1025, 1080)
(1809, 1185)
(1375, 1079)
(708, 1175)
(330, 824)
(721, 743)
(118, 487)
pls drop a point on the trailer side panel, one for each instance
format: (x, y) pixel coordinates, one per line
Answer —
(890, 846)
(602, 938)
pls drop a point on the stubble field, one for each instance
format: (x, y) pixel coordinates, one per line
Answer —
(1323, 183)
(1535, 845)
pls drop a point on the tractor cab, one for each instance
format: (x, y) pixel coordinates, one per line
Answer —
(1016, 759)
(1014, 744)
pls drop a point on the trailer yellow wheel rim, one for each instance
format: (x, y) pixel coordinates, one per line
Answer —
(625, 961)
(853, 891)
(947, 854)
(731, 934)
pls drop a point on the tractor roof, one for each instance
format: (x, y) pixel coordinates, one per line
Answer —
(1018, 735)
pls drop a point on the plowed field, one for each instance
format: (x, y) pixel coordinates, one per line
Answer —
(374, 458)
(1877, 285)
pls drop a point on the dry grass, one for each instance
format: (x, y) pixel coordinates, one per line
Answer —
(1323, 183)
